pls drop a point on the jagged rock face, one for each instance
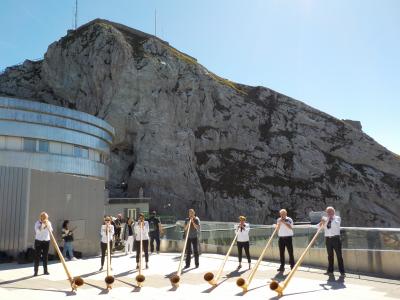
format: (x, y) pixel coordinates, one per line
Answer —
(193, 139)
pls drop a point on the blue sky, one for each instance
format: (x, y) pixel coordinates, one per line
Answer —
(340, 56)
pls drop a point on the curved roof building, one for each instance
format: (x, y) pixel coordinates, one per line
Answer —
(51, 138)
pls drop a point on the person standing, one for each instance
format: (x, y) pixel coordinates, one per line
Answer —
(42, 242)
(117, 228)
(106, 227)
(192, 228)
(333, 242)
(128, 236)
(285, 234)
(68, 237)
(142, 233)
(155, 231)
(243, 240)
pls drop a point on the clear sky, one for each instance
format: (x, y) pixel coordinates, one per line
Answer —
(340, 56)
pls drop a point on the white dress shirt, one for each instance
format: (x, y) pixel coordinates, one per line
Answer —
(103, 233)
(144, 231)
(243, 235)
(42, 231)
(335, 226)
(283, 230)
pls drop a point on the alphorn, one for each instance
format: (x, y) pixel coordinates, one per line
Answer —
(243, 283)
(275, 286)
(109, 278)
(74, 281)
(209, 276)
(140, 278)
(177, 277)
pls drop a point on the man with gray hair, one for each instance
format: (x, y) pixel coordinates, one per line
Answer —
(331, 224)
(285, 233)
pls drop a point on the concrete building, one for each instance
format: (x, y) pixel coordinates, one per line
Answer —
(52, 159)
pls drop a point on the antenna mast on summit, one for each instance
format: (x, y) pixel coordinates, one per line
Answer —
(155, 22)
(76, 14)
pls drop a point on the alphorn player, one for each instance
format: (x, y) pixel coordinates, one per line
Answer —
(331, 225)
(192, 228)
(141, 229)
(243, 240)
(42, 242)
(103, 243)
(285, 234)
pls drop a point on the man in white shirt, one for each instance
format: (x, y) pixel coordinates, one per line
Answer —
(243, 240)
(107, 226)
(141, 229)
(42, 242)
(331, 225)
(285, 233)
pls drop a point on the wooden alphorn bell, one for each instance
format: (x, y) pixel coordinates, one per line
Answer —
(243, 283)
(177, 277)
(109, 278)
(74, 281)
(275, 286)
(209, 276)
(140, 278)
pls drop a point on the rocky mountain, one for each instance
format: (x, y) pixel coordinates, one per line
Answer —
(193, 139)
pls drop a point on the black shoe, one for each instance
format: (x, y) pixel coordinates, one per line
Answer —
(137, 266)
(147, 266)
(291, 267)
(197, 266)
(281, 269)
(101, 269)
(187, 267)
(46, 273)
(239, 266)
(35, 274)
(343, 274)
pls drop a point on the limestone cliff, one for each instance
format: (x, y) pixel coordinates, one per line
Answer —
(193, 139)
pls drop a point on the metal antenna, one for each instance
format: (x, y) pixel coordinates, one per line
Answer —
(155, 22)
(76, 14)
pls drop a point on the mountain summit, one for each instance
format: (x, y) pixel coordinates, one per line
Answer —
(193, 139)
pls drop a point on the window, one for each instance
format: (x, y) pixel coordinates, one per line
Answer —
(85, 152)
(43, 146)
(13, 143)
(55, 147)
(29, 145)
(67, 149)
(131, 213)
(81, 152)
(2, 142)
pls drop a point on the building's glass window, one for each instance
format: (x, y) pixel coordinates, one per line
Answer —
(14, 143)
(67, 149)
(55, 147)
(77, 151)
(85, 153)
(43, 146)
(96, 156)
(3, 142)
(29, 145)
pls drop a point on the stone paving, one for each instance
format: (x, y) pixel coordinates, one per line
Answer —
(17, 282)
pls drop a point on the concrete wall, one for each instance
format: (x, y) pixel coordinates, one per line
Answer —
(14, 185)
(75, 198)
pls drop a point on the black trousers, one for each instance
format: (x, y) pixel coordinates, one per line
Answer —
(154, 236)
(334, 243)
(103, 247)
(286, 241)
(145, 250)
(192, 242)
(246, 246)
(41, 249)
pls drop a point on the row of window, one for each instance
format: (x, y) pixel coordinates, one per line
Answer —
(35, 145)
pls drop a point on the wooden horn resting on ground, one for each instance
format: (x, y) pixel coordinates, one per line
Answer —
(274, 285)
(109, 278)
(140, 278)
(209, 276)
(177, 277)
(244, 284)
(74, 281)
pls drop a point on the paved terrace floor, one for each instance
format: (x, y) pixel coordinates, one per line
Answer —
(17, 282)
